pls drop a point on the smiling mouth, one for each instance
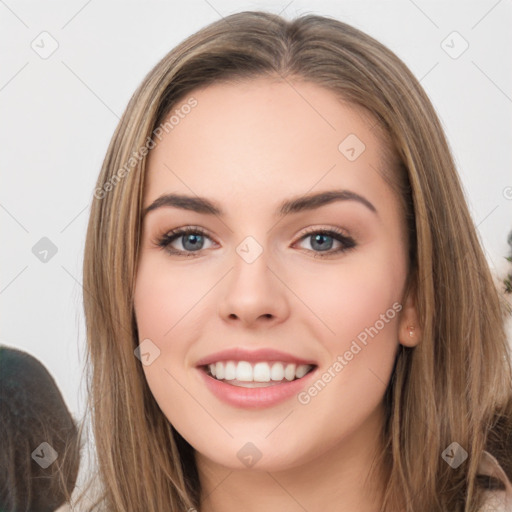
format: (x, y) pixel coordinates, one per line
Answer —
(258, 375)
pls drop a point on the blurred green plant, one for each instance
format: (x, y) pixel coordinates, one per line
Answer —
(508, 278)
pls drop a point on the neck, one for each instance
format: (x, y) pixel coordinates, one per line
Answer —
(338, 480)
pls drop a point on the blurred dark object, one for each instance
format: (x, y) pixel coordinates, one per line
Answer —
(39, 446)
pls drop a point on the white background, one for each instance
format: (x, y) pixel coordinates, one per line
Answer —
(58, 115)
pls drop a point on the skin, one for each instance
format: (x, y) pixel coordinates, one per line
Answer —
(239, 143)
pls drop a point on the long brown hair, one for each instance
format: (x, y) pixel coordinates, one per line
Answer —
(455, 386)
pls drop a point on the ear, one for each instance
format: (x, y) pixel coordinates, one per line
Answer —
(409, 331)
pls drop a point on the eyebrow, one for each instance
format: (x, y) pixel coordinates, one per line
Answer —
(294, 205)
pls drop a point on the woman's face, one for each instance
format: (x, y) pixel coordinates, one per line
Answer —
(318, 282)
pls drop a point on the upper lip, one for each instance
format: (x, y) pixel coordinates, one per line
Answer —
(262, 354)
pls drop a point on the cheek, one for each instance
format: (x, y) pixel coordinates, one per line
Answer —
(163, 298)
(359, 306)
(362, 308)
(353, 297)
(170, 303)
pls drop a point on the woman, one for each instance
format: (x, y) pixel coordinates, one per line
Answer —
(335, 344)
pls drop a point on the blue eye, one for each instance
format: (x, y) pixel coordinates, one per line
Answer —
(193, 239)
(323, 240)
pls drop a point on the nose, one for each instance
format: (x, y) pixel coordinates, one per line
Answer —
(254, 294)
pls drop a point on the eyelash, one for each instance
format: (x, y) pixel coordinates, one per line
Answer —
(347, 242)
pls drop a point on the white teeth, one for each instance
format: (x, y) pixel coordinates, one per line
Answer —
(261, 372)
(277, 372)
(219, 371)
(244, 371)
(301, 371)
(230, 371)
(289, 372)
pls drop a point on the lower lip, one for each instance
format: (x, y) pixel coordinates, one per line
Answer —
(255, 398)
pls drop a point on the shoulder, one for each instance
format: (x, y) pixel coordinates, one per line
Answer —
(499, 500)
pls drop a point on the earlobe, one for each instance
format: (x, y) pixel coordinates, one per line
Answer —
(411, 339)
(409, 331)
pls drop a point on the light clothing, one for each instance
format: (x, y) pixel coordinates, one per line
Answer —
(496, 501)
(64, 508)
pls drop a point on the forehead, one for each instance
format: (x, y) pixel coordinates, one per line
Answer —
(266, 135)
